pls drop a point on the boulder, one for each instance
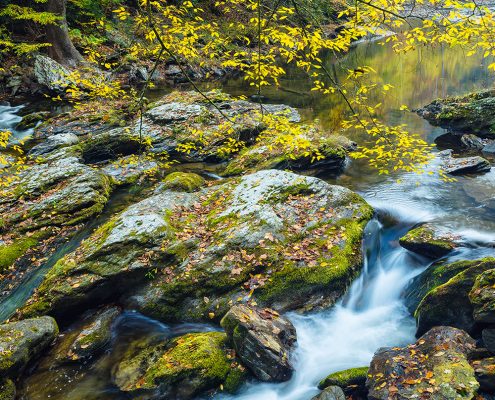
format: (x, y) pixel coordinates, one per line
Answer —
(429, 241)
(263, 341)
(183, 182)
(22, 341)
(31, 120)
(49, 73)
(482, 297)
(435, 367)
(484, 370)
(183, 369)
(472, 142)
(449, 303)
(466, 165)
(52, 143)
(293, 241)
(473, 113)
(128, 170)
(7, 389)
(352, 380)
(435, 275)
(330, 393)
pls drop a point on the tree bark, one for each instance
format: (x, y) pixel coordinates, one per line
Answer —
(62, 49)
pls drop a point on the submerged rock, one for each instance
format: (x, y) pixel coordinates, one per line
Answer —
(186, 367)
(449, 303)
(352, 380)
(22, 341)
(474, 113)
(435, 366)
(427, 240)
(263, 341)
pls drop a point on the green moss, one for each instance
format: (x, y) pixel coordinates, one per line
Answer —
(7, 389)
(183, 181)
(9, 253)
(198, 357)
(343, 379)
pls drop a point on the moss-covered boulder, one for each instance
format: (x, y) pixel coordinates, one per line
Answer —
(484, 370)
(351, 380)
(435, 275)
(482, 297)
(473, 113)
(449, 303)
(267, 154)
(331, 393)
(184, 368)
(7, 389)
(116, 257)
(427, 240)
(294, 242)
(436, 367)
(10, 252)
(183, 182)
(22, 341)
(263, 341)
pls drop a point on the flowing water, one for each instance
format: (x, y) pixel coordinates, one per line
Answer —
(372, 314)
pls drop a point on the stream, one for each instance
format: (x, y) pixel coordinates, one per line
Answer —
(372, 314)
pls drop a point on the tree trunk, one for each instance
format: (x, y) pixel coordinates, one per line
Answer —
(62, 49)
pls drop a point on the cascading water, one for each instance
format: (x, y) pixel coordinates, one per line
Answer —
(9, 118)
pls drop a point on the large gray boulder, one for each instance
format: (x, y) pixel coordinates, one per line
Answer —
(263, 341)
(51, 74)
(436, 366)
(22, 341)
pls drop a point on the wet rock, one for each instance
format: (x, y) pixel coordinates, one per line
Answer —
(7, 389)
(436, 365)
(488, 335)
(489, 148)
(429, 241)
(482, 297)
(23, 341)
(51, 74)
(466, 165)
(330, 393)
(186, 367)
(127, 170)
(52, 143)
(31, 120)
(263, 340)
(449, 303)
(62, 192)
(435, 275)
(296, 240)
(183, 182)
(485, 373)
(352, 381)
(472, 142)
(473, 113)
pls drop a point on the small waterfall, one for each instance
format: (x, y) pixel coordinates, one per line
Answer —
(9, 118)
(370, 316)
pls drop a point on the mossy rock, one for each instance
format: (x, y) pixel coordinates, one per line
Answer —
(435, 275)
(449, 303)
(426, 241)
(349, 379)
(482, 297)
(7, 389)
(189, 366)
(9, 253)
(183, 182)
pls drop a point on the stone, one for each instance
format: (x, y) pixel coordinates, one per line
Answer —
(488, 335)
(263, 340)
(183, 181)
(482, 297)
(489, 148)
(472, 142)
(429, 241)
(485, 373)
(436, 365)
(23, 341)
(127, 170)
(330, 393)
(183, 369)
(351, 380)
(435, 275)
(7, 389)
(449, 303)
(51, 74)
(474, 113)
(466, 165)
(32, 120)
(174, 112)
(52, 143)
